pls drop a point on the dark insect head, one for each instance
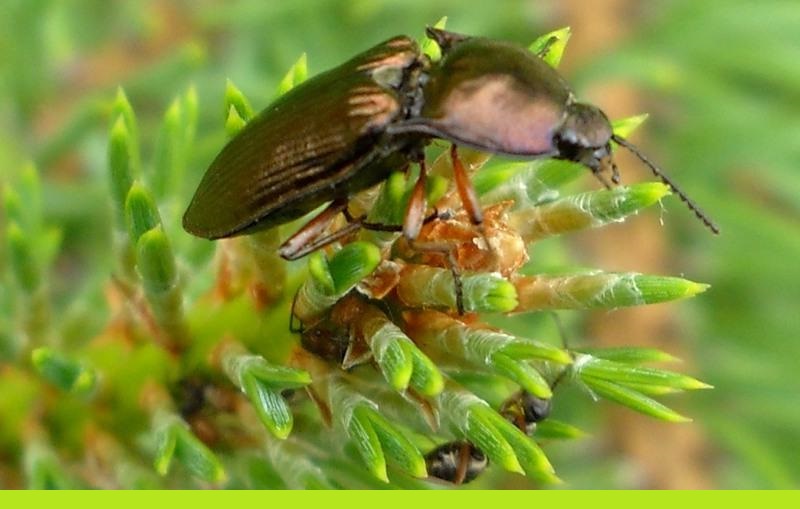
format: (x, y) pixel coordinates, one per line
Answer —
(585, 137)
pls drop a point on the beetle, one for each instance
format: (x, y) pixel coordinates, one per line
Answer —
(347, 129)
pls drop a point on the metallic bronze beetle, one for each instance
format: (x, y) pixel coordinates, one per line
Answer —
(348, 128)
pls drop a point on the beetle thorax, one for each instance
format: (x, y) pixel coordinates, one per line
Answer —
(584, 136)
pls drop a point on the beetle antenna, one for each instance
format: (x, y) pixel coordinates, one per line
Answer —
(666, 180)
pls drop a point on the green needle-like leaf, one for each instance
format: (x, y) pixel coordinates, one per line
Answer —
(262, 383)
(424, 286)
(429, 46)
(296, 74)
(601, 290)
(460, 410)
(331, 279)
(234, 98)
(233, 122)
(386, 342)
(530, 455)
(166, 440)
(585, 210)
(169, 163)
(197, 457)
(141, 212)
(272, 409)
(155, 261)
(624, 127)
(351, 411)
(632, 399)
(351, 264)
(527, 184)
(395, 444)
(426, 377)
(121, 107)
(557, 430)
(626, 373)
(23, 262)
(120, 164)
(368, 445)
(550, 46)
(501, 353)
(630, 354)
(175, 441)
(523, 374)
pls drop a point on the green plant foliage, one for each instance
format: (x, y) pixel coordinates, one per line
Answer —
(168, 361)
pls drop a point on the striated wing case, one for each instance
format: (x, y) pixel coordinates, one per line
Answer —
(308, 147)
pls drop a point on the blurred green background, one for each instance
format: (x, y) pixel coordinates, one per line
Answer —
(720, 79)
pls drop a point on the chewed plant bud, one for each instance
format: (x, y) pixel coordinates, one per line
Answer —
(494, 247)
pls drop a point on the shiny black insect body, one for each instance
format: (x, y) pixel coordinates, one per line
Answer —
(525, 411)
(347, 129)
(456, 462)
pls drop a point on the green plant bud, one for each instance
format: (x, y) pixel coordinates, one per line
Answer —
(630, 354)
(120, 165)
(463, 411)
(585, 210)
(557, 430)
(429, 46)
(528, 183)
(296, 74)
(551, 45)
(624, 127)
(632, 399)
(331, 279)
(141, 212)
(121, 107)
(600, 290)
(176, 442)
(624, 374)
(169, 161)
(234, 98)
(22, 260)
(63, 372)
(424, 286)
(155, 262)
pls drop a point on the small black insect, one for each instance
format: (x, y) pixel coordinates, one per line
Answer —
(348, 128)
(525, 410)
(456, 462)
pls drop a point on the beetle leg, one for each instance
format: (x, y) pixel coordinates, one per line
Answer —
(614, 173)
(321, 242)
(308, 239)
(381, 227)
(412, 224)
(466, 191)
(464, 456)
(599, 176)
(469, 198)
(415, 212)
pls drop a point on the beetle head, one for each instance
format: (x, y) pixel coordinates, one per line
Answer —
(585, 137)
